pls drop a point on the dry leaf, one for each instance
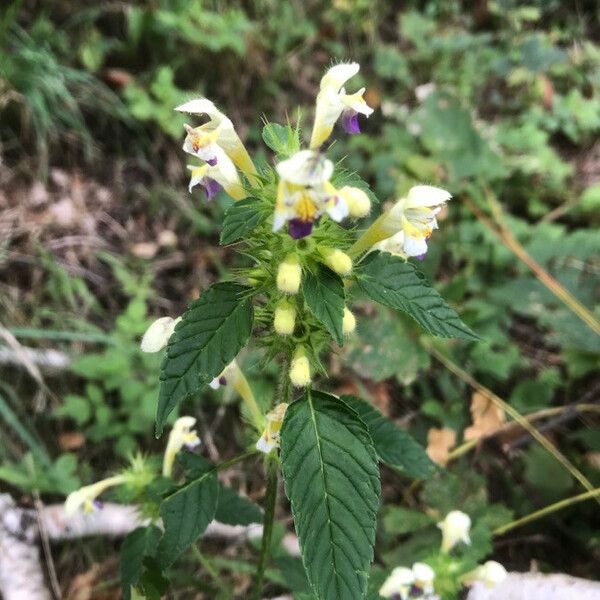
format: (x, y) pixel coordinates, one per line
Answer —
(71, 440)
(439, 444)
(487, 417)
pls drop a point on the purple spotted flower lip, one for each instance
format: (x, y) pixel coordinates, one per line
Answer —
(421, 256)
(350, 122)
(212, 161)
(222, 381)
(299, 229)
(211, 187)
(98, 504)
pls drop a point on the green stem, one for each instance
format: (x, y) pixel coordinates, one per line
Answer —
(206, 564)
(236, 459)
(270, 502)
(538, 514)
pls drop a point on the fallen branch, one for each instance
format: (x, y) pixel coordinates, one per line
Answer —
(22, 576)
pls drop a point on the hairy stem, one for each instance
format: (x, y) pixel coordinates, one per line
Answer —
(272, 467)
(543, 512)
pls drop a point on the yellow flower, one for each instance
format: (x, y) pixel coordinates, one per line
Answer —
(182, 434)
(413, 216)
(398, 583)
(86, 496)
(348, 322)
(284, 319)
(234, 377)
(289, 275)
(270, 437)
(300, 368)
(158, 334)
(333, 102)
(221, 175)
(336, 260)
(304, 193)
(218, 132)
(424, 576)
(491, 574)
(455, 529)
(358, 202)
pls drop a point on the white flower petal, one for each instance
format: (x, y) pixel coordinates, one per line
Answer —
(264, 446)
(426, 195)
(415, 246)
(307, 168)
(337, 209)
(337, 75)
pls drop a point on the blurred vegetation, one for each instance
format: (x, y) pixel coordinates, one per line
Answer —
(497, 101)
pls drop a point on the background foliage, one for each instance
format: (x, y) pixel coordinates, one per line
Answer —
(499, 102)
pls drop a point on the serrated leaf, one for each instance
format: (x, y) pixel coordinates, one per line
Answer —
(213, 330)
(283, 140)
(186, 514)
(324, 295)
(332, 480)
(394, 446)
(394, 282)
(235, 509)
(241, 218)
(138, 544)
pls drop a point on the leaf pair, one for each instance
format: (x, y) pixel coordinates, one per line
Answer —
(329, 452)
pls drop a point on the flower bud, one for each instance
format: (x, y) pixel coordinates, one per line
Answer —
(357, 201)
(300, 369)
(284, 320)
(349, 322)
(337, 260)
(455, 528)
(289, 275)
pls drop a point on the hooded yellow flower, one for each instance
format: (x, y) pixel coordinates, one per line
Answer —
(219, 131)
(413, 216)
(182, 434)
(86, 497)
(221, 175)
(333, 102)
(270, 437)
(455, 529)
(304, 193)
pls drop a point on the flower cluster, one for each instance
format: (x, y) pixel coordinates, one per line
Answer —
(404, 583)
(419, 582)
(307, 200)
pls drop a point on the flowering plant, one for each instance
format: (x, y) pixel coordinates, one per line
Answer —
(298, 225)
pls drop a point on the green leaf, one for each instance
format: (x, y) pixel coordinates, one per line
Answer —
(332, 480)
(138, 544)
(394, 446)
(214, 329)
(241, 218)
(234, 509)
(324, 296)
(376, 354)
(398, 520)
(394, 282)
(186, 514)
(152, 584)
(283, 140)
